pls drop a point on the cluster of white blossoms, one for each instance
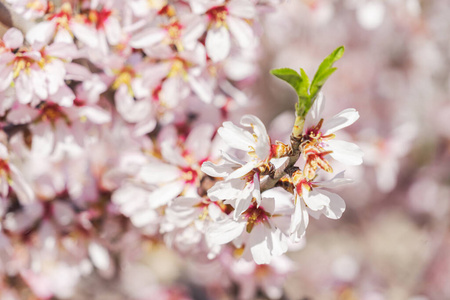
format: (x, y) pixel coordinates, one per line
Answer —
(271, 197)
(108, 119)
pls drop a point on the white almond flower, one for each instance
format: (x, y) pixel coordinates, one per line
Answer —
(318, 139)
(242, 178)
(311, 199)
(261, 230)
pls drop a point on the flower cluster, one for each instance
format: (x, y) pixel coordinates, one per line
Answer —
(272, 198)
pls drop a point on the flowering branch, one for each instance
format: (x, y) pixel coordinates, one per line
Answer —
(307, 94)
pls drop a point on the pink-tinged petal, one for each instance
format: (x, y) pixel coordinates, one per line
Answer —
(224, 231)
(22, 115)
(315, 200)
(156, 172)
(113, 31)
(21, 187)
(199, 140)
(236, 137)
(24, 92)
(85, 34)
(218, 43)
(63, 36)
(131, 110)
(343, 119)
(164, 194)
(242, 8)
(55, 72)
(147, 38)
(144, 217)
(77, 72)
(241, 31)
(201, 88)
(336, 207)
(258, 244)
(13, 38)
(145, 126)
(42, 32)
(95, 114)
(62, 50)
(345, 152)
(6, 77)
(63, 213)
(195, 28)
(64, 96)
(39, 84)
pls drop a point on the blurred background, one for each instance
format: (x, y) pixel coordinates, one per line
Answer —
(393, 240)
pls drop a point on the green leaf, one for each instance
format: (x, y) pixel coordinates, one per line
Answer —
(290, 76)
(307, 91)
(324, 71)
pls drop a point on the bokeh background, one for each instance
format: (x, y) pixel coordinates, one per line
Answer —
(393, 240)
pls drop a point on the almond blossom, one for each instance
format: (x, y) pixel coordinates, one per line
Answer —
(319, 139)
(260, 230)
(242, 178)
(36, 73)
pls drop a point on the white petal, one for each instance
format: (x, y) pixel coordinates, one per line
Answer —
(113, 31)
(165, 194)
(263, 140)
(343, 119)
(85, 34)
(218, 43)
(99, 256)
(242, 8)
(157, 172)
(42, 32)
(258, 245)
(345, 152)
(315, 113)
(219, 170)
(226, 190)
(13, 38)
(147, 38)
(236, 137)
(199, 140)
(241, 31)
(336, 207)
(224, 231)
(316, 200)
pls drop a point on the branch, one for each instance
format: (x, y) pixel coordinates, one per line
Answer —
(11, 19)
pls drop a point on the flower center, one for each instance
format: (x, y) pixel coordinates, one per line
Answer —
(255, 215)
(218, 15)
